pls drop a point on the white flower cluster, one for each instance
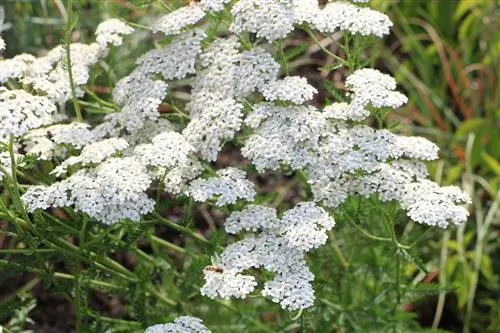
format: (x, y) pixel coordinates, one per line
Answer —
(141, 93)
(2, 44)
(182, 324)
(111, 31)
(48, 75)
(12, 68)
(275, 19)
(283, 135)
(229, 75)
(110, 188)
(93, 153)
(173, 23)
(279, 246)
(20, 111)
(178, 20)
(294, 89)
(52, 141)
(270, 19)
(115, 190)
(171, 158)
(340, 15)
(227, 187)
(369, 86)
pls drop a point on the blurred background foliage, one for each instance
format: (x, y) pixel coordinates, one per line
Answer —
(445, 56)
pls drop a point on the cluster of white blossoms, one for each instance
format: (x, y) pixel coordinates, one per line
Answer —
(275, 19)
(182, 324)
(113, 191)
(282, 135)
(20, 111)
(178, 20)
(228, 76)
(170, 157)
(111, 32)
(276, 244)
(344, 16)
(370, 87)
(227, 187)
(235, 88)
(294, 89)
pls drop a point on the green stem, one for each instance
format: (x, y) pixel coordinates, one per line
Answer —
(363, 232)
(68, 62)
(282, 54)
(78, 287)
(58, 275)
(343, 262)
(100, 100)
(442, 280)
(398, 290)
(336, 57)
(168, 245)
(98, 106)
(182, 229)
(26, 251)
(15, 185)
(116, 321)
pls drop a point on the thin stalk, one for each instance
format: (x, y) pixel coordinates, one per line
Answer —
(105, 109)
(159, 296)
(78, 287)
(99, 100)
(168, 245)
(398, 289)
(282, 54)
(482, 226)
(15, 185)
(363, 232)
(182, 229)
(58, 275)
(26, 251)
(442, 279)
(336, 57)
(343, 262)
(116, 321)
(68, 62)
(262, 327)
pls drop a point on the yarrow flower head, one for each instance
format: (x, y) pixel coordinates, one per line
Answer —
(269, 19)
(279, 247)
(341, 15)
(213, 5)
(21, 111)
(370, 86)
(283, 136)
(173, 23)
(110, 32)
(12, 68)
(171, 158)
(183, 324)
(293, 89)
(227, 187)
(215, 111)
(115, 190)
(93, 154)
